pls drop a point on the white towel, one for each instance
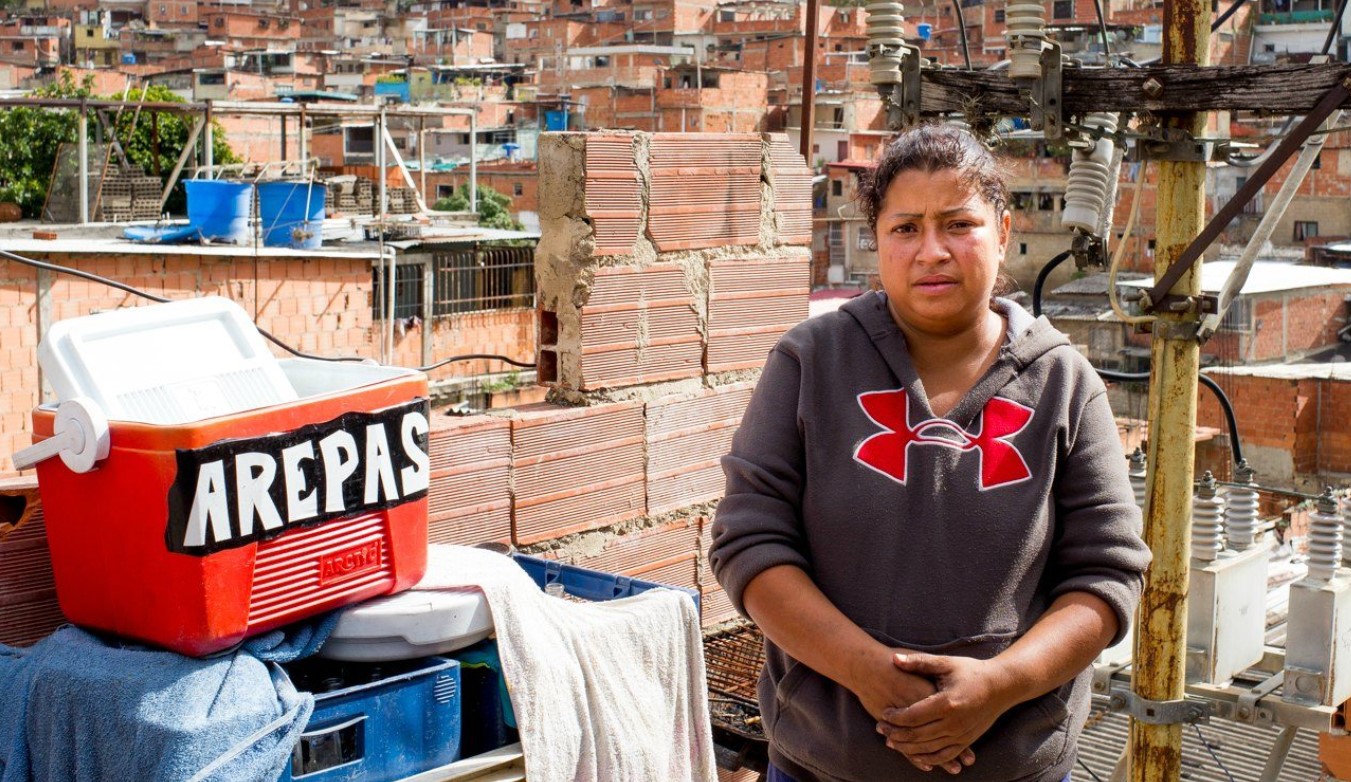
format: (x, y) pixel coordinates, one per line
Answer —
(603, 692)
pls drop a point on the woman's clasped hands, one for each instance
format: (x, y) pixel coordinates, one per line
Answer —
(965, 696)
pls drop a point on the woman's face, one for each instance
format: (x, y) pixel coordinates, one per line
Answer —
(939, 248)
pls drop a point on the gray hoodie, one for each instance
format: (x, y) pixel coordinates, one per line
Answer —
(942, 535)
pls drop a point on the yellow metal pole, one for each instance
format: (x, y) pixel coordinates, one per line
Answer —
(1155, 750)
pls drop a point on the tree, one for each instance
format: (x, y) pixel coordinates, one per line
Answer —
(30, 138)
(494, 209)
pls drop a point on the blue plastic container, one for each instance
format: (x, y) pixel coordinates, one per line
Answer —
(589, 584)
(376, 722)
(220, 210)
(292, 214)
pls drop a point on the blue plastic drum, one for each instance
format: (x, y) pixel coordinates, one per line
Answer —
(292, 214)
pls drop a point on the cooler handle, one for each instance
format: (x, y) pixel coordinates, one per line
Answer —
(321, 750)
(79, 436)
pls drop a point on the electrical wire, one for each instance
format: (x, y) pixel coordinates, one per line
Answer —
(1209, 749)
(1041, 279)
(1120, 253)
(1336, 25)
(1226, 407)
(476, 357)
(1085, 767)
(1102, 27)
(1228, 12)
(59, 269)
(961, 29)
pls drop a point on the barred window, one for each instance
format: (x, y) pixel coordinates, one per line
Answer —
(487, 278)
(408, 279)
(465, 280)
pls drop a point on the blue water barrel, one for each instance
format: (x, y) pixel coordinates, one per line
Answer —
(924, 30)
(220, 210)
(555, 120)
(292, 214)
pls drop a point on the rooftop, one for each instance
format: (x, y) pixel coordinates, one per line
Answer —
(1265, 277)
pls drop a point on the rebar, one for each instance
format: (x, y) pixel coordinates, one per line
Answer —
(1325, 538)
(1240, 512)
(1207, 521)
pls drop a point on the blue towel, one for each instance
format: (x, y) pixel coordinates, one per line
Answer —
(76, 708)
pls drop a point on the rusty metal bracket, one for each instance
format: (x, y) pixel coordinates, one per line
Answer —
(1151, 712)
(1330, 102)
(1047, 98)
(911, 87)
(1189, 151)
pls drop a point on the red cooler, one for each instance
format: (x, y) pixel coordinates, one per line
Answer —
(193, 536)
(206, 492)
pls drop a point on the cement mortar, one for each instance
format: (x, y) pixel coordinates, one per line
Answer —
(583, 545)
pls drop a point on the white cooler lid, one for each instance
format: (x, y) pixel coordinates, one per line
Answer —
(409, 625)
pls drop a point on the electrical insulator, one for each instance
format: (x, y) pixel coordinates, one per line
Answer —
(1325, 538)
(1091, 177)
(1137, 475)
(886, 42)
(1026, 35)
(1346, 529)
(1240, 511)
(1207, 521)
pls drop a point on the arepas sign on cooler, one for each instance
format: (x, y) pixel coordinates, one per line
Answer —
(235, 492)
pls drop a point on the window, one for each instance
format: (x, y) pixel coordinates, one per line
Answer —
(835, 242)
(1305, 229)
(999, 15)
(842, 150)
(1063, 9)
(220, 22)
(211, 79)
(359, 140)
(837, 187)
(642, 15)
(1318, 160)
(163, 10)
(1046, 202)
(727, 16)
(1239, 316)
(1022, 248)
(866, 239)
(816, 149)
(407, 291)
(486, 278)
(182, 10)
(517, 189)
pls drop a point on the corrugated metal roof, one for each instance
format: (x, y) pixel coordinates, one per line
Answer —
(1339, 370)
(1265, 277)
(1241, 750)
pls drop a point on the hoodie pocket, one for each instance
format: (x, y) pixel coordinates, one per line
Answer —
(823, 727)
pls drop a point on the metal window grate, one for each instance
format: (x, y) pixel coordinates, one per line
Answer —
(491, 278)
(407, 292)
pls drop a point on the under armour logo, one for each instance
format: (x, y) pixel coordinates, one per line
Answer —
(888, 452)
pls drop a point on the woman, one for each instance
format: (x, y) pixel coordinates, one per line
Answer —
(927, 510)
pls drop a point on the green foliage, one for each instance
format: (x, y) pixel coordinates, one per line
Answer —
(138, 141)
(494, 209)
(30, 138)
(507, 382)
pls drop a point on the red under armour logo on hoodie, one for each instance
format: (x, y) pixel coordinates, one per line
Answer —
(888, 452)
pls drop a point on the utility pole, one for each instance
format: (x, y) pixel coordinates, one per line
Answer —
(1155, 750)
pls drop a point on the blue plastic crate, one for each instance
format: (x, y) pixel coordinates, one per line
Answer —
(376, 722)
(590, 584)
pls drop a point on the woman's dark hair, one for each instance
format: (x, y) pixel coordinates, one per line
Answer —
(932, 148)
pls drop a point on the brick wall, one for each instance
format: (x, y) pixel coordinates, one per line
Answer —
(315, 304)
(1290, 426)
(655, 316)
